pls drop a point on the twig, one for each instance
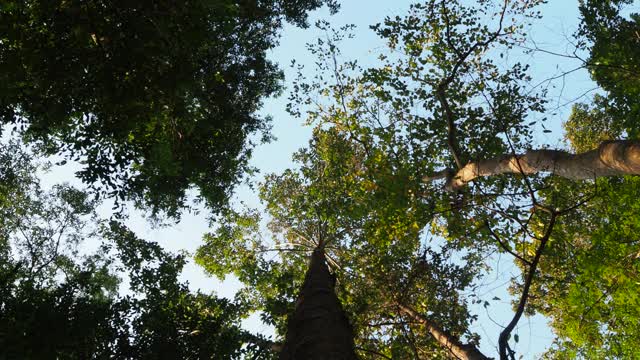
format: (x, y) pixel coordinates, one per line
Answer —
(504, 246)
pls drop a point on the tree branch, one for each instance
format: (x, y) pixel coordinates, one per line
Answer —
(611, 158)
(442, 87)
(372, 352)
(503, 340)
(451, 343)
(504, 246)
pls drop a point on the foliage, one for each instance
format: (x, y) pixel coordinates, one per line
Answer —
(58, 300)
(589, 277)
(367, 186)
(373, 246)
(591, 124)
(154, 98)
(612, 36)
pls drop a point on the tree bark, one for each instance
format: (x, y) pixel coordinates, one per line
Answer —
(457, 349)
(318, 328)
(611, 158)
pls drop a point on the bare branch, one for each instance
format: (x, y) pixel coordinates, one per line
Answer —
(504, 246)
(451, 343)
(611, 158)
(503, 340)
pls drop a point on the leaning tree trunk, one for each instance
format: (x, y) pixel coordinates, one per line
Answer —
(611, 158)
(318, 328)
(457, 349)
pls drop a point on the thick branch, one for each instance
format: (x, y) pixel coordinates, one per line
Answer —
(611, 158)
(456, 348)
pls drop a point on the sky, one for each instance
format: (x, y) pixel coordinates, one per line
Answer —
(560, 19)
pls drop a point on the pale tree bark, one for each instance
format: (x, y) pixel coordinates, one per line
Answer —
(456, 348)
(318, 328)
(611, 158)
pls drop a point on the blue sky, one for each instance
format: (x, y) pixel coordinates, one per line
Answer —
(560, 20)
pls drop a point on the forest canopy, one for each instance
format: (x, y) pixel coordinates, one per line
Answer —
(424, 167)
(152, 97)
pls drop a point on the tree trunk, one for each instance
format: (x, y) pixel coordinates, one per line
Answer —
(457, 349)
(318, 328)
(611, 158)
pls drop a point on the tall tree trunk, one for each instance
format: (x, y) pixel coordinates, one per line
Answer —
(318, 328)
(456, 348)
(611, 158)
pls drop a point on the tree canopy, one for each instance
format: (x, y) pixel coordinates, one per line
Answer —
(60, 301)
(422, 169)
(152, 97)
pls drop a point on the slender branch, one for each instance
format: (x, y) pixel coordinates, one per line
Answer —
(411, 341)
(503, 340)
(388, 323)
(442, 87)
(54, 254)
(583, 201)
(527, 182)
(448, 29)
(504, 246)
(505, 351)
(451, 126)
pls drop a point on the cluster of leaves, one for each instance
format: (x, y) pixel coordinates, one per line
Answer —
(153, 97)
(591, 124)
(60, 300)
(589, 277)
(612, 36)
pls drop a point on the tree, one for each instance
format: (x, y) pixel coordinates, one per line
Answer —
(59, 302)
(611, 39)
(419, 170)
(372, 246)
(153, 98)
(439, 107)
(587, 278)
